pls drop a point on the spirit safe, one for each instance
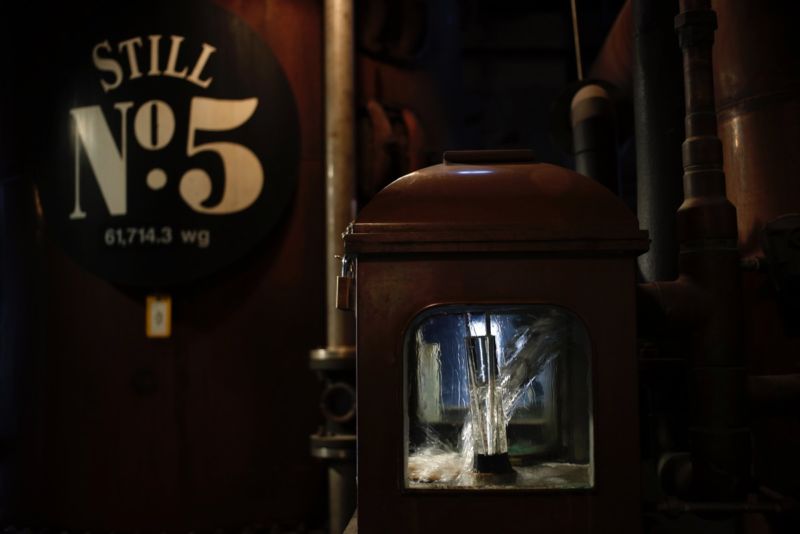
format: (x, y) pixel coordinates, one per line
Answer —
(496, 365)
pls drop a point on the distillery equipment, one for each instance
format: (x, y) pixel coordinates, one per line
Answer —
(195, 193)
(496, 369)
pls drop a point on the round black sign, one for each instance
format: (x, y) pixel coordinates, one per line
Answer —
(170, 142)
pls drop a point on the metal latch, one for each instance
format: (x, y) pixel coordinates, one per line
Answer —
(344, 285)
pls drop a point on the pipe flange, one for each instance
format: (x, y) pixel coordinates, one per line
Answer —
(332, 358)
(333, 447)
(338, 403)
(696, 27)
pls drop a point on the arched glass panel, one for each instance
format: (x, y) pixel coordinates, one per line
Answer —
(498, 397)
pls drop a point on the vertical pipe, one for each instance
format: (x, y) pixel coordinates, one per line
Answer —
(658, 112)
(594, 135)
(709, 258)
(340, 158)
(340, 154)
(341, 483)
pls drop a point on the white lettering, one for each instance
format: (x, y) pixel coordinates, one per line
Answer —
(243, 174)
(201, 237)
(129, 50)
(133, 63)
(154, 68)
(107, 65)
(194, 77)
(108, 162)
(172, 61)
(154, 124)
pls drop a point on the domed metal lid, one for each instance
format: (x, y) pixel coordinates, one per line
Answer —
(495, 200)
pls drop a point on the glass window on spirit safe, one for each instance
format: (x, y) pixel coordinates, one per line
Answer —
(498, 397)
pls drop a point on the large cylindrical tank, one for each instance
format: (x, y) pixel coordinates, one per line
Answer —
(757, 84)
(208, 428)
(758, 104)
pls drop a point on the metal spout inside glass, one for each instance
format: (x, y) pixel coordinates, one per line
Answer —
(486, 404)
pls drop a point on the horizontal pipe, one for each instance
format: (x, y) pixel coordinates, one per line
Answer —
(681, 302)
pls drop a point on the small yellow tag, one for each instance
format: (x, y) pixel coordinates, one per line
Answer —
(158, 316)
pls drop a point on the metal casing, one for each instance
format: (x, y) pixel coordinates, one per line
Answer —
(487, 230)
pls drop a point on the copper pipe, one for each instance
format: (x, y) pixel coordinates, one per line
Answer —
(710, 260)
(757, 88)
(614, 63)
(758, 103)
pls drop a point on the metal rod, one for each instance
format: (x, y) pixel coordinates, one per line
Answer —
(340, 154)
(576, 39)
(341, 483)
(340, 161)
(491, 412)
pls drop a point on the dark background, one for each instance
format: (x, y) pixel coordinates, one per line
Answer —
(102, 429)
